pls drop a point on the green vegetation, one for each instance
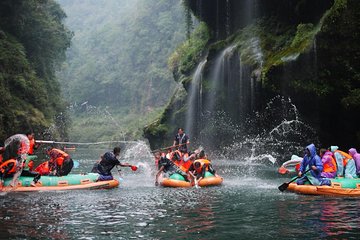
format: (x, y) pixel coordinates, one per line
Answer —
(33, 41)
(187, 55)
(118, 61)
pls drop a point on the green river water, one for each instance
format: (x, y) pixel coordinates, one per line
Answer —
(247, 206)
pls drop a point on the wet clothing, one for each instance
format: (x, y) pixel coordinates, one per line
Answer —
(107, 163)
(345, 164)
(182, 139)
(170, 167)
(313, 176)
(31, 147)
(60, 161)
(205, 166)
(329, 164)
(356, 156)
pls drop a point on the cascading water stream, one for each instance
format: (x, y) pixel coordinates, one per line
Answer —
(217, 75)
(195, 99)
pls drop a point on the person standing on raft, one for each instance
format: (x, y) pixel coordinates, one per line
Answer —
(181, 139)
(311, 161)
(107, 162)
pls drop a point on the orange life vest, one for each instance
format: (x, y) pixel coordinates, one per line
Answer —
(330, 167)
(43, 169)
(346, 156)
(31, 146)
(58, 156)
(203, 163)
(8, 167)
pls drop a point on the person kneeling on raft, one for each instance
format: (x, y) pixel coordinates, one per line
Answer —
(198, 169)
(107, 162)
(312, 161)
(60, 163)
(168, 167)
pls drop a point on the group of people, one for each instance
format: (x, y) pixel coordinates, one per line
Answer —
(332, 162)
(16, 159)
(191, 165)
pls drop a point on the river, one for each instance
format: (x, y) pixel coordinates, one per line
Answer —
(247, 206)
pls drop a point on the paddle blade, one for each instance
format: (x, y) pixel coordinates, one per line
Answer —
(134, 168)
(283, 187)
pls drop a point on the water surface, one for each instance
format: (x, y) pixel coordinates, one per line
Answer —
(247, 206)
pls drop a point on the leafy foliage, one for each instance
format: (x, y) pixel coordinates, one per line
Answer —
(33, 41)
(118, 60)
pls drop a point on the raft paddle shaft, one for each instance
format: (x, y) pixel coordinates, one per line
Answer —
(284, 186)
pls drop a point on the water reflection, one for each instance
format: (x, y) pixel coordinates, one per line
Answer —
(247, 206)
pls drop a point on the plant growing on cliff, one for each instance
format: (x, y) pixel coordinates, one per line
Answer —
(188, 54)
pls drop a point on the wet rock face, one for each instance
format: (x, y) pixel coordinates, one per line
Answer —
(227, 16)
(303, 52)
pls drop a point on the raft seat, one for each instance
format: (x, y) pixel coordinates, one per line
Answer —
(85, 181)
(63, 183)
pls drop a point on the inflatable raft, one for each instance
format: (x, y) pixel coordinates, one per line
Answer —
(176, 180)
(339, 187)
(54, 183)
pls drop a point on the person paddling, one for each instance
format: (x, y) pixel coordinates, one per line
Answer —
(107, 162)
(311, 161)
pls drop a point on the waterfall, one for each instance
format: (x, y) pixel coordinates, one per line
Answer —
(218, 74)
(194, 101)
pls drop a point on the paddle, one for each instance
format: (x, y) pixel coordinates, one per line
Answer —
(156, 150)
(284, 186)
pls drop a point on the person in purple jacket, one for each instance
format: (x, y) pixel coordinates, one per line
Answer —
(356, 156)
(311, 161)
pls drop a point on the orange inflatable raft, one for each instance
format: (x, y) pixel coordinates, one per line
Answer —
(339, 187)
(176, 180)
(54, 183)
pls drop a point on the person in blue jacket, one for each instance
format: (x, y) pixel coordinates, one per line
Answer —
(311, 161)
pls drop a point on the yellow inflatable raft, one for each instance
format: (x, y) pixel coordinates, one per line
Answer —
(339, 187)
(176, 180)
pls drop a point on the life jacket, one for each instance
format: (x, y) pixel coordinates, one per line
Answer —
(179, 161)
(57, 156)
(329, 164)
(1, 158)
(43, 169)
(203, 163)
(8, 167)
(185, 165)
(31, 146)
(346, 156)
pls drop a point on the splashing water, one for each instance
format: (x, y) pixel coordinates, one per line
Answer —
(16, 145)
